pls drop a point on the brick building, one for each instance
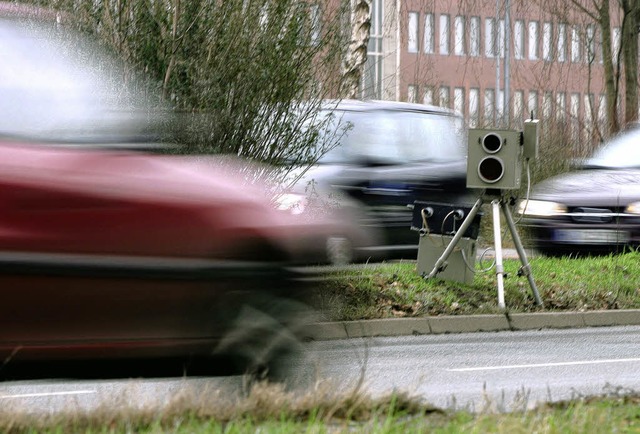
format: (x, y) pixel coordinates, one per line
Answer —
(453, 53)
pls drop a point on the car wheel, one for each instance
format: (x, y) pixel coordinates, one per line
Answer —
(265, 340)
(339, 250)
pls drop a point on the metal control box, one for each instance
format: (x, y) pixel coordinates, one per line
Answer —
(459, 265)
(443, 218)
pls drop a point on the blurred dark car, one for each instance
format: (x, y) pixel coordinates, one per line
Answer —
(108, 251)
(595, 209)
(389, 155)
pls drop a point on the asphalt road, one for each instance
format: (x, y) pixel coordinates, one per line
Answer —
(499, 370)
(503, 370)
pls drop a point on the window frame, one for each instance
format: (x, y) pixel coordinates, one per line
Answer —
(489, 101)
(413, 32)
(459, 100)
(444, 34)
(429, 34)
(547, 41)
(561, 49)
(576, 44)
(460, 35)
(474, 107)
(474, 36)
(489, 37)
(518, 40)
(444, 95)
(533, 40)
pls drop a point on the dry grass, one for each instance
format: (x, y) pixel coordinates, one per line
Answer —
(269, 408)
(262, 402)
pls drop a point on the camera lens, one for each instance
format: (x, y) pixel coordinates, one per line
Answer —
(491, 143)
(491, 169)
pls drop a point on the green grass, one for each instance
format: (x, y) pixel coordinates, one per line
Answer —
(565, 284)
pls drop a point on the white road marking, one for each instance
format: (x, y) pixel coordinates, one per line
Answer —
(543, 365)
(38, 395)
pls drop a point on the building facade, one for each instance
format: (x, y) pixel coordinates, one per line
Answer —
(496, 65)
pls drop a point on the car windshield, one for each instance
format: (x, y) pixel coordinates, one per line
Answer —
(56, 88)
(395, 137)
(623, 151)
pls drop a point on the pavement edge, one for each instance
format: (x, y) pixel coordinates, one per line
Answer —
(471, 324)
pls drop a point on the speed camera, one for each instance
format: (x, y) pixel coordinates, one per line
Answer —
(495, 156)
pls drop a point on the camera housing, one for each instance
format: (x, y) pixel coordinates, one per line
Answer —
(495, 159)
(495, 156)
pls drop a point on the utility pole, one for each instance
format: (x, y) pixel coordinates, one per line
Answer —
(503, 40)
(507, 61)
(497, 49)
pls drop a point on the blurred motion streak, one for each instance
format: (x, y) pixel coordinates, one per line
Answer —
(108, 251)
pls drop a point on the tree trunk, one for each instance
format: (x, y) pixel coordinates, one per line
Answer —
(174, 49)
(630, 53)
(356, 56)
(610, 70)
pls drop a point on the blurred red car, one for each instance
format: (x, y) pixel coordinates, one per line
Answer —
(108, 251)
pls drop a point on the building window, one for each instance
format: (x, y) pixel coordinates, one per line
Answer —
(412, 93)
(444, 34)
(474, 36)
(518, 39)
(518, 107)
(562, 42)
(547, 34)
(427, 97)
(459, 37)
(372, 76)
(443, 97)
(574, 106)
(602, 109)
(413, 32)
(588, 109)
(615, 43)
(501, 36)
(489, 106)
(458, 100)
(599, 47)
(588, 117)
(533, 40)
(547, 105)
(429, 34)
(500, 106)
(489, 37)
(561, 106)
(576, 55)
(315, 24)
(574, 114)
(532, 104)
(590, 43)
(474, 107)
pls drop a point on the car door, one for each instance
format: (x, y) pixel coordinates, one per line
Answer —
(81, 263)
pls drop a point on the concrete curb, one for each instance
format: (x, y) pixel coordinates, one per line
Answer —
(471, 323)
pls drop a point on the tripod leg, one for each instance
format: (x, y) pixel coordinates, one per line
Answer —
(456, 238)
(526, 268)
(497, 239)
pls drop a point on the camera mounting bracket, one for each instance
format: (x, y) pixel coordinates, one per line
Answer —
(498, 203)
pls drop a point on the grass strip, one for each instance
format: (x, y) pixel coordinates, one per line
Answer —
(395, 289)
(270, 409)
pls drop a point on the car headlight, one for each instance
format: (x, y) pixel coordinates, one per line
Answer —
(291, 202)
(633, 208)
(540, 208)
